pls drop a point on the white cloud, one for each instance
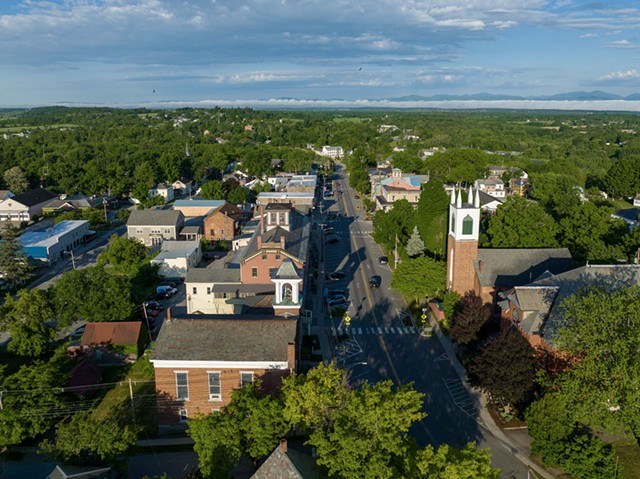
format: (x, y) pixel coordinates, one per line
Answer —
(625, 75)
(620, 44)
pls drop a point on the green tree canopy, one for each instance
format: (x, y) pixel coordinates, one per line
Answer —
(397, 223)
(16, 180)
(92, 294)
(519, 223)
(124, 255)
(213, 190)
(602, 331)
(419, 278)
(415, 245)
(14, 265)
(31, 401)
(26, 319)
(82, 438)
(251, 424)
(431, 216)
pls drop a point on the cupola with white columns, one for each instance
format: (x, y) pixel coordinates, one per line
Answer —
(462, 241)
(288, 298)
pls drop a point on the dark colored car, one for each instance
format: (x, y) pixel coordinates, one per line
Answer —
(357, 197)
(336, 275)
(375, 281)
(332, 240)
(155, 306)
(160, 296)
(335, 293)
(383, 260)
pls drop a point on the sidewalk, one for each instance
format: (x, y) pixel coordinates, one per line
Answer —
(521, 450)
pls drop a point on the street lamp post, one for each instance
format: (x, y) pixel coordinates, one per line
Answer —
(73, 258)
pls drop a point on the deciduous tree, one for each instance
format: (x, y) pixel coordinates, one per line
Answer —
(419, 278)
(473, 314)
(26, 319)
(213, 190)
(125, 255)
(431, 216)
(519, 223)
(505, 368)
(16, 180)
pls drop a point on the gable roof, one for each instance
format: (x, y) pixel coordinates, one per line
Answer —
(509, 267)
(225, 339)
(287, 464)
(33, 197)
(199, 203)
(115, 332)
(154, 218)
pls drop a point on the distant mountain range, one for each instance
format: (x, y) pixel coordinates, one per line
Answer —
(571, 96)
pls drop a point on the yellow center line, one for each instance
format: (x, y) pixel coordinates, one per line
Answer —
(368, 294)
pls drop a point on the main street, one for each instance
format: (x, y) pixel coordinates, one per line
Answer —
(383, 346)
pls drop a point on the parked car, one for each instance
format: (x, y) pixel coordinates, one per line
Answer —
(332, 240)
(173, 279)
(337, 275)
(338, 302)
(337, 297)
(383, 260)
(160, 296)
(166, 289)
(155, 305)
(333, 293)
(375, 281)
(77, 334)
(173, 284)
(356, 197)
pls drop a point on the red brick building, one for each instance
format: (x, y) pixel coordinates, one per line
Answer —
(200, 361)
(223, 223)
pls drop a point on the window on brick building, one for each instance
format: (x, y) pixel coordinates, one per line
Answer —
(182, 385)
(183, 413)
(215, 389)
(254, 272)
(246, 377)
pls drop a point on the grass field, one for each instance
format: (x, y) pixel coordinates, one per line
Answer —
(628, 454)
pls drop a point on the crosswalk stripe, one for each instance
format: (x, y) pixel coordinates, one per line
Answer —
(393, 330)
(379, 330)
(386, 330)
(359, 330)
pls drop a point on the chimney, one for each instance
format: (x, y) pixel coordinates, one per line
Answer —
(283, 445)
(261, 219)
(168, 318)
(480, 265)
(282, 243)
(259, 241)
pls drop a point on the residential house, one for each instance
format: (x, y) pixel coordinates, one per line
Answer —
(51, 245)
(489, 204)
(5, 194)
(400, 187)
(26, 206)
(488, 271)
(288, 463)
(497, 172)
(164, 190)
(636, 200)
(536, 307)
(182, 187)
(223, 223)
(332, 151)
(492, 187)
(176, 258)
(628, 215)
(194, 208)
(152, 227)
(199, 362)
(519, 186)
(76, 202)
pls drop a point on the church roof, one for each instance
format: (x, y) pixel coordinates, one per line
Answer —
(507, 267)
(287, 270)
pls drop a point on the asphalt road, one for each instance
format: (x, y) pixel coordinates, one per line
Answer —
(381, 346)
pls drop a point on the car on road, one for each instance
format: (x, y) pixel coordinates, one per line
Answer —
(332, 293)
(160, 296)
(332, 240)
(165, 288)
(337, 275)
(338, 303)
(383, 260)
(337, 297)
(155, 305)
(356, 197)
(375, 281)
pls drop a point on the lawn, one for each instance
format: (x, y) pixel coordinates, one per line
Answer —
(628, 454)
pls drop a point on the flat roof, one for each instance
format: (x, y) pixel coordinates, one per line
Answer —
(50, 236)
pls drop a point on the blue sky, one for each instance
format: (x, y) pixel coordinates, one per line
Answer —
(118, 52)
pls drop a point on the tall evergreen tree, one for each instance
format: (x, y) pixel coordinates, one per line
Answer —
(431, 217)
(415, 245)
(14, 264)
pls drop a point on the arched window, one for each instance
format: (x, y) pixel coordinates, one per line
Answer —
(467, 225)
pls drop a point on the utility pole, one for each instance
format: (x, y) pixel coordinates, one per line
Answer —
(73, 258)
(133, 409)
(395, 253)
(106, 217)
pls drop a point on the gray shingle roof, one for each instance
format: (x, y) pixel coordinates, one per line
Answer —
(505, 267)
(287, 465)
(225, 340)
(213, 274)
(34, 197)
(154, 218)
